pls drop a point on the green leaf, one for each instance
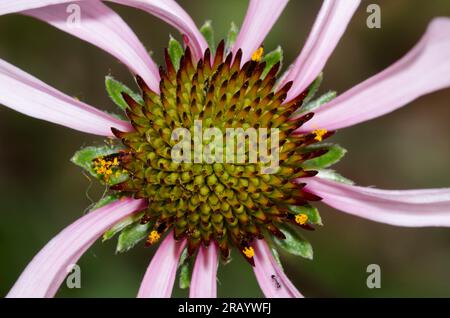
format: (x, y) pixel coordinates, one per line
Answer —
(313, 105)
(208, 33)
(294, 243)
(84, 157)
(311, 211)
(334, 154)
(104, 201)
(276, 256)
(333, 176)
(132, 235)
(186, 264)
(115, 90)
(231, 36)
(271, 59)
(313, 88)
(122, 224)
(175, 52)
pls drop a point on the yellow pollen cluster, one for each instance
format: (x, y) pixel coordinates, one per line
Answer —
(301, 219)
(257, 55)
(105, 167)
(153, 237)
(249, 252)
(319, 134)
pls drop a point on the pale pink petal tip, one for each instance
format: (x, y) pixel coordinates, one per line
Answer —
(270, 276)
(172, 13)
(204, 275)
(94, 22)
(261, 16)
(330, 25)
(423, 70)
(412, 208)
(161, 273)
(28, 95)
(45, 273)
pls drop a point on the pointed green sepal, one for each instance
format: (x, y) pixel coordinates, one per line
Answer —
(271, 59)
(276, 255)
(311, 211)
(121, 225)
(313, 89)
(208, 33)
(84, 158)
(333, 176)
(231, 36)
(115, 90)
(316, 103)
(107, 199)
(334, 155)
(294, 243)
(176, 51)
(186, 265)
(132, 235)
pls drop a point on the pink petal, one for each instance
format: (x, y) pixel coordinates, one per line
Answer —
(271, 278)
(423, 70)
(330, 25)
(170, 12)
(46, 272)
(102, 27)
(413, 208)
(167, 10)
(28, 95)
(99, 25)
(160, 275)
(13, 6)
(204, 275)
(261, 16)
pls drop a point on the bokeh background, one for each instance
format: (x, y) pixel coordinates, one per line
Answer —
(41, 192)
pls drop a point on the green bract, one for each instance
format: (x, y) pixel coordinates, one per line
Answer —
(115, 90)
(294, 243)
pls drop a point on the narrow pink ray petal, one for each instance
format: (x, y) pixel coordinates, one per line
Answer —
(330, 25)
(102, 27)
(14, 6)
(170, 12)
(167, 10)
(204, 275)
(261, 16)
(28, 95)
(423, 70)
(47, 270)
(271, 278)
(160, 275)
(413, 208)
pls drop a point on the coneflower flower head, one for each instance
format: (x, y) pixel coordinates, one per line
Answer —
(225, 202)
(201, 203)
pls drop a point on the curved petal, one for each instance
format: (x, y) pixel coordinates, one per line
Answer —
(330, 25)
(28, 95)
(271, 278)
(98, 25)
(102, 27)
(160, 275)
(170, 12)
(413, 208)
(204, 275)
(13, 6)
(423, 70)
(47, 270)
(261, 16)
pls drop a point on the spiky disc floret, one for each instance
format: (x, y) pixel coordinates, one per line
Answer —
(231, 204)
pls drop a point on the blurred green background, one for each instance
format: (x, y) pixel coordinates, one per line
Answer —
(41, 192)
